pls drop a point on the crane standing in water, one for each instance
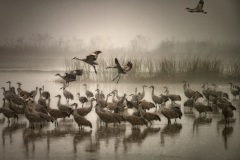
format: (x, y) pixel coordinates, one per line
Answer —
(121, 69)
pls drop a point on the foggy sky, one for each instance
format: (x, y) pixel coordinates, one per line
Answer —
(119, 21)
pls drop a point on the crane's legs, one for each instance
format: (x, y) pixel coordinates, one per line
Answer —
(116, 77)
(94, 69)
(119, 78)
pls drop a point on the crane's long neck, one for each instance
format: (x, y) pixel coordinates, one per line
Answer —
(152, 91)
(113, 97)
(91, 105)
(40, 94)
(86, 87)
(143, 90)
(48, 106)
(135, 91)
(117, 93)
(9, 85)
(107, 99)
(59, 101)
(3, 103)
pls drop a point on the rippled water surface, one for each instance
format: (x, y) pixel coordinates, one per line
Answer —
(192, 137)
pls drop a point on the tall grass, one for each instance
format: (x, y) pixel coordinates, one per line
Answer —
(162, 69)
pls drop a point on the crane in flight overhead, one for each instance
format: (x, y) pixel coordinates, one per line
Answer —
(199, 8)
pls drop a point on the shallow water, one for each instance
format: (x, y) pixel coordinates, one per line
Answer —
(192, 137)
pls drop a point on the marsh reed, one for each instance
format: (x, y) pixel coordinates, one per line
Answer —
(170, 69)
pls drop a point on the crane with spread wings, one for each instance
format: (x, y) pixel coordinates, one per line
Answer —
(199, 8)
(122, 69)
(91, 59)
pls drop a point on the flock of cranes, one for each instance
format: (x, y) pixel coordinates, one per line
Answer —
(114, 111)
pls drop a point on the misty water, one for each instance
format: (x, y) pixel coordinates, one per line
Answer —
(192, 137)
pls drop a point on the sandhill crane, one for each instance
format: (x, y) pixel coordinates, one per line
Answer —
(88, 93)
(147, 105)
(134, 120)
(157, 100)
(32, 118)
(105, 116)
(9, 84)
(82, 99)
(141, 95)
(164, 98)
(227, 113)
(43, 116)
(171, 113)
(62, 107)
(80, 120)
(198, 9)
(173, 97)
(41, 101)
(7, 94)
(234, 92)
(34, 93)
(134, 96)
(104, 103)
(90, 59)
(68, 95)
(55, 113)
(199, 106)
(19, 88)
(45, 94)
(121, 69)
(67, 78)
(17, 100)
(117, 96)
(84, 111)
(7, 112)
(206, 92)
(15, 108)
(187, 91)
(147, 115)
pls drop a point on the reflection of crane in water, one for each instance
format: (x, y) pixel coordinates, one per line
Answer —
(10, 130)
(170, 130)
(201, 121)
(81, 136)
(106, 134)
(226, 133)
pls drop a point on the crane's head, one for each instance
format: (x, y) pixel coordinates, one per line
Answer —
(74, 57)
(57, 74)
(74, 104)
(93, 99)
(78, 93)
(84, 84)
(151, 87)
(97, 90)
(97, 52)
(8, 82)
(130, 95)
(59, 96)
(19, 83)
(3, 88)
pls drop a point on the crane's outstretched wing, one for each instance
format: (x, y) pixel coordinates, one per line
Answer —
(128, 66)
(200, 5)
(119, 67)
(91, 58)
